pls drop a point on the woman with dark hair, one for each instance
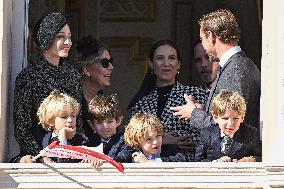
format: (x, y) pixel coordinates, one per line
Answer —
(48, 72)
(159, 91)
(96, 65)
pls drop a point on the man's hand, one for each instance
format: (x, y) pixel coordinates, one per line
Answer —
(185, 111)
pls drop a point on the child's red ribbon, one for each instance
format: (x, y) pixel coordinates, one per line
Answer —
(82, 153)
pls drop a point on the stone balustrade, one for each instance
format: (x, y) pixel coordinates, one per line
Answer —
(147, 175)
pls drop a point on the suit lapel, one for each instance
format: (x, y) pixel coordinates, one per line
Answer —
(216, 141)
(235, 149)
(45, 140)
(213, 90)
(236, 146)
(241, 53)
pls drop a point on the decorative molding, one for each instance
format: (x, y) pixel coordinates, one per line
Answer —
(182, 30)
(139, 47)
(126, 10)
(74, 12)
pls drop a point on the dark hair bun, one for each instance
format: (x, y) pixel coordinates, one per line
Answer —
(88, 46)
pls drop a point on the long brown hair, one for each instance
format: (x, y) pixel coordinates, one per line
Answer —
(149, 80)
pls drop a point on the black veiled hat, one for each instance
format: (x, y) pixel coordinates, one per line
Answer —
(46, 29)
(89, 46)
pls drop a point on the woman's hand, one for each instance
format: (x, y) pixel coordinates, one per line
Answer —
(185, 111)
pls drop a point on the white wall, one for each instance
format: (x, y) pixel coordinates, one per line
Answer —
(17, 63)
(272, 67)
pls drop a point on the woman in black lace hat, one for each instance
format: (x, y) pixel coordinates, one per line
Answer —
(52, 36)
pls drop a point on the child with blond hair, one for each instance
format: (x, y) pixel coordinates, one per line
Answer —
(144, 133)
(229, 139)
(57, 114)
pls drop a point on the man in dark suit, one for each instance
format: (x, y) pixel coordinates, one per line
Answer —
(229, 139)
(220, 34)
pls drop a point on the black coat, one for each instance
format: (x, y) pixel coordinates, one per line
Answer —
(77, 140)
(116, 148)
(32, 86)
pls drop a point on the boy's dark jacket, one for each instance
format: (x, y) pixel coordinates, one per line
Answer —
(116, 148)
(246, 143)
(77, 140)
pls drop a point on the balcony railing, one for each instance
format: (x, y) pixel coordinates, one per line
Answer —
(143, 175)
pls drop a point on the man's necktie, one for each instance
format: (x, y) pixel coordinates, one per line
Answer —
(226, 144)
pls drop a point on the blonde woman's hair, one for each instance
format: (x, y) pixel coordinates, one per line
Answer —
(103, 107)
(138, 127)
(228, 100)
(53, 105)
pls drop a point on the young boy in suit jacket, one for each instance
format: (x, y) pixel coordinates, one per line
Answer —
(106, 117)
(57, 114)
(229, 139)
